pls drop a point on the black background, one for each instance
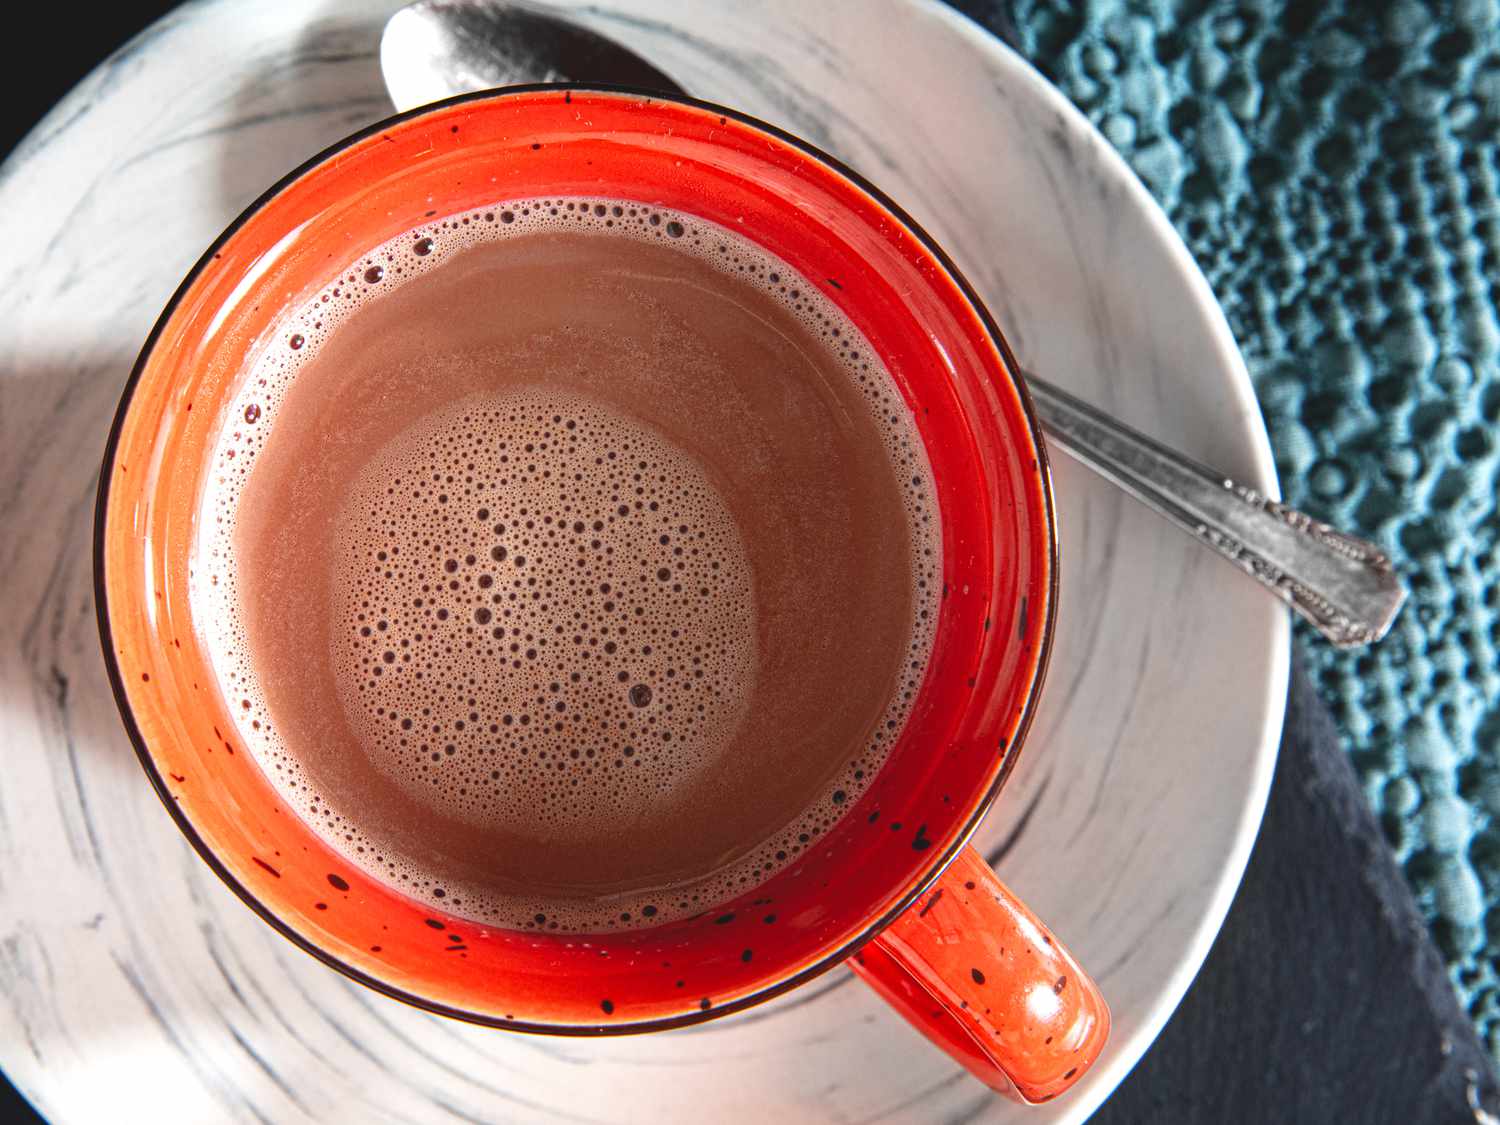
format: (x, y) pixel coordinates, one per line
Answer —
(50, 47)
(1323, 999)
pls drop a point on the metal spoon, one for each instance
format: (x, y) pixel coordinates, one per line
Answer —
(1345, 586)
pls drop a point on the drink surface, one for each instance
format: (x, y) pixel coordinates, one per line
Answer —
(569, 564)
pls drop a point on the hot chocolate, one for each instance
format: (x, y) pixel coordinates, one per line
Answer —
(569, 563)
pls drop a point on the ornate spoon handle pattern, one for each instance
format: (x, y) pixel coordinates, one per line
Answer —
(1343, 585)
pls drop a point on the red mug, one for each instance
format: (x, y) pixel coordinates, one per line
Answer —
(892, 887)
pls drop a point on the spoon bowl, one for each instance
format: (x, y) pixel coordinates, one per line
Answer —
(436, 49)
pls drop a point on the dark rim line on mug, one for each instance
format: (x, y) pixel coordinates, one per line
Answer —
(786, 983)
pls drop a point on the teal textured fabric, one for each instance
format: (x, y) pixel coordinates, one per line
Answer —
(1334, 168)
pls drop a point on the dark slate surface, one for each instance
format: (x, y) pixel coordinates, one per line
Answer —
(1323, 999)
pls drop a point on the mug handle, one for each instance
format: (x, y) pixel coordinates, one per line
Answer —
(980, 976)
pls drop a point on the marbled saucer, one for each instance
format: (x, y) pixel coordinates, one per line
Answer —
(137, 987)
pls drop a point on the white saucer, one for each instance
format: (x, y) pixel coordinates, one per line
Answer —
(136, 986)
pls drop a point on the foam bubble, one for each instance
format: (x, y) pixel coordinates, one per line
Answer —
(453, 662)
(546, 612)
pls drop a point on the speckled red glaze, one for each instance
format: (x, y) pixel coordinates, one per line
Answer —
(992, 637)
(980, 976)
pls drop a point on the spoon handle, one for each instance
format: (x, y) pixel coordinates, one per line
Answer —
(1343, 585)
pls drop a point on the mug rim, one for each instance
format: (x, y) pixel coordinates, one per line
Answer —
(772, 988)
